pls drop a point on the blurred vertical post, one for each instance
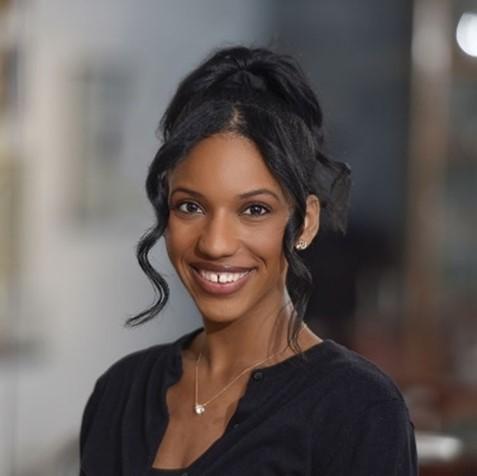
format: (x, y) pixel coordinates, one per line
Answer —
(429, 136)
(9, 170)
(9, 221)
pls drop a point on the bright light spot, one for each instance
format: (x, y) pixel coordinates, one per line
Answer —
(466, 33)
(436, 447)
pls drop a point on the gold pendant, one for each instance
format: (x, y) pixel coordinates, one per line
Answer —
(199, 409)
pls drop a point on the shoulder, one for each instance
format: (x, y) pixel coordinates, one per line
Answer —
(136, 361)
(349, 380)
(360, 417)
(136, 368)
(129, 376)
(127, 372)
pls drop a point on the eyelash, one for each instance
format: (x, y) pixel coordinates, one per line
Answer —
(267, 210)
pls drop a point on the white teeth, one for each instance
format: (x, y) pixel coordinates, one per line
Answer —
(221, 277)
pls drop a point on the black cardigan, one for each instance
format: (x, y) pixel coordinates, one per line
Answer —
(336, 414)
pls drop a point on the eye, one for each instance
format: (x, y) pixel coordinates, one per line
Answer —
(257, 210)
(187, 207)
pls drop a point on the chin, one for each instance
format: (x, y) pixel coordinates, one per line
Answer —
(220, 313)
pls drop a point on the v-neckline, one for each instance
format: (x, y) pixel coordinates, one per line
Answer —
(176, 352)
(178, 346)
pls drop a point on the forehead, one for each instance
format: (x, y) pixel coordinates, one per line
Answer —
(224, 164)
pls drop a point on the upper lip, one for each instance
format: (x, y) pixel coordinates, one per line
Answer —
(220, 268)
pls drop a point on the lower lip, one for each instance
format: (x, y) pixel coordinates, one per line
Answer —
(221, 288)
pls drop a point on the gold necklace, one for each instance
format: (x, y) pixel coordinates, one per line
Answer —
(199, 408)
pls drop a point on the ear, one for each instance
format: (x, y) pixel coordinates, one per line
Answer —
(312, 219)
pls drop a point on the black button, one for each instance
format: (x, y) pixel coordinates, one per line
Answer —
(258, 375)
(235, 425)
(185, 473)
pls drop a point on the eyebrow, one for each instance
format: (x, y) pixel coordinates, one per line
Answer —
(251, 193)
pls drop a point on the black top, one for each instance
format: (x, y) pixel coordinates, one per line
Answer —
(336, 414)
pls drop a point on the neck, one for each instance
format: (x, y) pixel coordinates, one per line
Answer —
(227, 348)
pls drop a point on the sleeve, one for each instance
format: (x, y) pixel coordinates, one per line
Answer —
(379, 442)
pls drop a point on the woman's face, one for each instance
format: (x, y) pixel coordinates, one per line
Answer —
(227, 210)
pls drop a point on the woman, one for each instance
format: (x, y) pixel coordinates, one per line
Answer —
(240, 187)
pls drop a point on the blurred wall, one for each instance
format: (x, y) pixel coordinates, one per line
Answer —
(83, 201)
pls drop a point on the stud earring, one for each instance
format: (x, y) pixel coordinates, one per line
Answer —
(301, 245)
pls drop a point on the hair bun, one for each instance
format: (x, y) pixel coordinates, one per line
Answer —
(245, 79)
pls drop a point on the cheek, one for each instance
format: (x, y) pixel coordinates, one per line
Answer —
(270, 244)
(176, 240)
(270, 247)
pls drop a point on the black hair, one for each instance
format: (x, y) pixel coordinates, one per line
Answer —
(264, 97)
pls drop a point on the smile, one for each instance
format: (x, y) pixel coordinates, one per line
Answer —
(220, 283)
(222, 278)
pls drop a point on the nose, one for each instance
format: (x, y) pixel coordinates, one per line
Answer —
(219, 236)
